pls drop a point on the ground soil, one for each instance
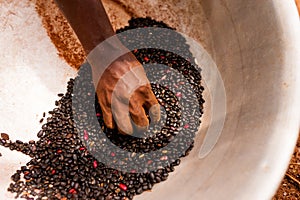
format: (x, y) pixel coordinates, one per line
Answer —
(290, 185)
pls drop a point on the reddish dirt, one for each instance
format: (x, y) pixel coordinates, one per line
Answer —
(290, 186)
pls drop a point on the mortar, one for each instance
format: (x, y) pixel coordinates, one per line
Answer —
(254, 45)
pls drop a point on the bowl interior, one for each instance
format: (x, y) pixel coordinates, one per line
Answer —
(253, 44)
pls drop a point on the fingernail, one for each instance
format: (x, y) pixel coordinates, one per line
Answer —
(154, 113)
(126, 131)
(141, 129)
(109, 125)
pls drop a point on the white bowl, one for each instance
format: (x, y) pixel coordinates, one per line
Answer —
(255, 46)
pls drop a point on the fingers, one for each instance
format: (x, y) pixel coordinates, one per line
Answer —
(108, 117)
(122, 117)
(114, 107)
(138, 116)
(130, 116)
(154, 113)
(151, 104)
(103, 99)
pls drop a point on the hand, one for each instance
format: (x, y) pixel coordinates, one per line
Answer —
(124, 93)
(123, 90)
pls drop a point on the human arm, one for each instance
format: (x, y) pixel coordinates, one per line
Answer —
(92, 27)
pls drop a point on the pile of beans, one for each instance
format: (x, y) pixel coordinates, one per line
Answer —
(77, 157)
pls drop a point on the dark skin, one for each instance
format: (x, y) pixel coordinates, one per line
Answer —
(92, 26)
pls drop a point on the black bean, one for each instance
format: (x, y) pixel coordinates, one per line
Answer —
(16, 177)
(139, 190)
(40, 133)
(141, 180)
(4, 136)
(152, 176)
